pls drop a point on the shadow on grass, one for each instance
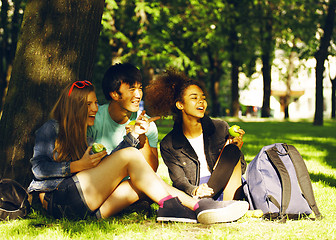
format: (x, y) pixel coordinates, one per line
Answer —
(303, 135)
(259, 134)
(141, 212)
(327, 180)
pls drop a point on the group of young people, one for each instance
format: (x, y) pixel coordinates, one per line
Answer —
(205, 163)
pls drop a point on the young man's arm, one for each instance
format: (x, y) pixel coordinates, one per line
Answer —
(150, 153)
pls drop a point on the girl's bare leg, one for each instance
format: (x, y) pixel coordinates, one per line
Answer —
(100, 182)
(126, 194)
(123, 196)
(185, 199)
(234, 184)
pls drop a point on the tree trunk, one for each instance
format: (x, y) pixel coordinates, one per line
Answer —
(214, 93)
(3, 50)
(333, 98)
(8, 41)
(267, 56)
(290, 71)
(320, 56)
(57, 45)
(266, 70)
(215, 75)
(235, 106)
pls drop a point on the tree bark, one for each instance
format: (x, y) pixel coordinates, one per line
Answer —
(10, 23)
(320, 56)
(266, 70)
(333, 98)
(235, 106)
(267, 56)
(214, 75)
(3, 50)
(57, 45)
(290, 70)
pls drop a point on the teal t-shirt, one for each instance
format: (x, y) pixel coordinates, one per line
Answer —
(110, 134)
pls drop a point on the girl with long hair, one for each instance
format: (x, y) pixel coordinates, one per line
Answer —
(202, 158)
(74, 183)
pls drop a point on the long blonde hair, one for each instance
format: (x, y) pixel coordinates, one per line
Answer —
(71, 113)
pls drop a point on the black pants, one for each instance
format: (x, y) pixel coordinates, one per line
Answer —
(221, 175)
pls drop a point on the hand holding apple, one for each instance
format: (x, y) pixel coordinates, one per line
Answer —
(236, 136)
(234, 131)
(98, 147)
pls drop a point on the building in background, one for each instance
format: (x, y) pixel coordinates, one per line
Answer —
(302, 90)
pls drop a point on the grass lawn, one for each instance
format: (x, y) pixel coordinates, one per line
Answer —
(316, 144)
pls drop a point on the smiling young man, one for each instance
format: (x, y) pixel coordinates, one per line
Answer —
(122, 87)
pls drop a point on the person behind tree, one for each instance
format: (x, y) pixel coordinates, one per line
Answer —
(73, 183)
(192, 150)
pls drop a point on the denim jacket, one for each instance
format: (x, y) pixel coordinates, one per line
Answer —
(48, 173)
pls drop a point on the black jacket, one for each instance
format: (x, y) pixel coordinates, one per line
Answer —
(181, 159)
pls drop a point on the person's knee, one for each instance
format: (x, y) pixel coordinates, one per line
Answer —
(129, 154)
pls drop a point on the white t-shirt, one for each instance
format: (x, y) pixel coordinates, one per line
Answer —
(198, 146)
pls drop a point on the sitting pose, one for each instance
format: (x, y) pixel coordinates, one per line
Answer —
(202, 158)
(74, 183)
(122, 88)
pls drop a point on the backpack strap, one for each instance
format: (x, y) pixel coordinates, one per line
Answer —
(284, 179)
(303, 178)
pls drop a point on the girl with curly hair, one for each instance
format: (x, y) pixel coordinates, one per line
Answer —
(203, 160)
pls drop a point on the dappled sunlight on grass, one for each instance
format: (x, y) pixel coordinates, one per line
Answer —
(317, 146)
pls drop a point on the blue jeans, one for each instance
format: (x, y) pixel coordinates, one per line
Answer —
(67, 201)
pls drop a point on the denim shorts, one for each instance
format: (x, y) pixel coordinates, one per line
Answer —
(219, 195)
(67, 201)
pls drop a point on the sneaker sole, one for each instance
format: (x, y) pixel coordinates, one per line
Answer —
(172, 219)
(230, 213)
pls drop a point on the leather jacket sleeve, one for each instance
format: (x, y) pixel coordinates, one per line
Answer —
(177, 170)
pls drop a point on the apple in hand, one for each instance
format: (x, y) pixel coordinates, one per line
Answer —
(233, 130)
(131, 122)
(98, 147)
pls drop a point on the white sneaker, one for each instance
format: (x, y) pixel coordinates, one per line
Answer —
(211, 211)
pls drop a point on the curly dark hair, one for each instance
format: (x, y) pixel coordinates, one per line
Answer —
(165, 90)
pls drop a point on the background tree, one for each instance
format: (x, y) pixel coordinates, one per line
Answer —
(320, 56)
(333, 97)
(298, 26)
(57, 45)
(266, 12)
(11, 13)
(212, 41)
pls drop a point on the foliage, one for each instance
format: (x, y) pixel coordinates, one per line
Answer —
(206, 39)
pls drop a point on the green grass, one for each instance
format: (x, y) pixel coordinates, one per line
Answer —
(316, 144)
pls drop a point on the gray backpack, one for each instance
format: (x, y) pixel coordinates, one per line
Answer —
(278, 183)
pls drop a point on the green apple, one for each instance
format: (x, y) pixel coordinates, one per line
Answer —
(131, 122)
(249, 213)
(258, 213)
(98, 147)
(233, 130)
